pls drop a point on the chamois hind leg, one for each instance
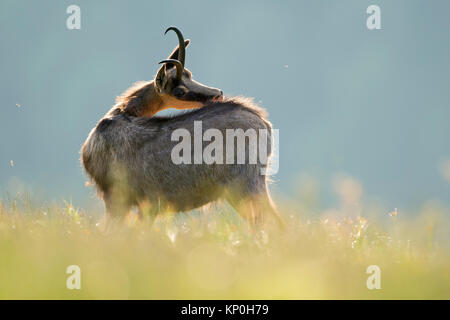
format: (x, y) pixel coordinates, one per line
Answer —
(255, 207)
(245, 208)
(264, 205)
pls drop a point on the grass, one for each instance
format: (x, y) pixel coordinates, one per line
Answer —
(210, 254)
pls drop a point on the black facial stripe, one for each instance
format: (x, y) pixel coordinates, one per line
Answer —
(194, 96)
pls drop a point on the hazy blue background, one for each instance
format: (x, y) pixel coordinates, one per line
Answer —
(371, 104)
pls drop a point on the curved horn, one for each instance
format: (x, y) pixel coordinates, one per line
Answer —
(181, 45)
(177, 64)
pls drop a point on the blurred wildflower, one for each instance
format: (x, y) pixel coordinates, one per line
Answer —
(11, 163)
(359, 226)
(18, 105)
(185, 227)
(171, 230)
(393, 214)
(234, 239)
(71, 211)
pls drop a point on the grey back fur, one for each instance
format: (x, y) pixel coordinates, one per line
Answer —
(129, 159)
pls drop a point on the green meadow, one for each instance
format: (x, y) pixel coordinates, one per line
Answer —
(211, 254)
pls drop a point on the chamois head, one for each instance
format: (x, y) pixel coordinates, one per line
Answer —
(174, 82)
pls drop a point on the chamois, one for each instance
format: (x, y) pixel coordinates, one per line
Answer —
(128, 153)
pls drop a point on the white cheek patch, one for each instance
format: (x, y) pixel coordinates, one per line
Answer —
(172, 102)
(189, 105)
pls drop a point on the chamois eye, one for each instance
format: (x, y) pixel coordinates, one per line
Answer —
(178, 92)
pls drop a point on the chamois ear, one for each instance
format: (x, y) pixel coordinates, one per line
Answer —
(174, 54)
(159, 79)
